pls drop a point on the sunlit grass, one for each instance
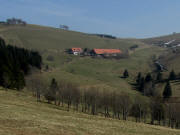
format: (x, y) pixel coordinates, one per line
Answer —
(21, 114)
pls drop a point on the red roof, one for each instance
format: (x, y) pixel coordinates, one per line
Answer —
(107, 51)
(76, 49)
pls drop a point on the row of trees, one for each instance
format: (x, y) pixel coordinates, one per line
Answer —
(112, 104)
(14, 21)
(64, 27)
(105, 36)
(161, 108)
(15, 63)
(147, 84)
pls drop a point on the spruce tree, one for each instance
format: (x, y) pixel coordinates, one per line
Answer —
(141, 86)
(159, 77)
(15, 64)
(126, 74)
(148, 77)
(138, 80)
(50, 94)
(53, 85)
(167, 91)
(54, 88)
(172, 75)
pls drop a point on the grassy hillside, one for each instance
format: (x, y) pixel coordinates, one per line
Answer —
(163, 39)
(169, 58)
(22, 115)
(38, 37)
(104, 73)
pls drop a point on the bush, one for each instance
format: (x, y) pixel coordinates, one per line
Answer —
(50, 58)
(133, 47)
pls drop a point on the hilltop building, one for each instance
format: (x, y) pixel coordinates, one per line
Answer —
(76, 51)
(107, 52)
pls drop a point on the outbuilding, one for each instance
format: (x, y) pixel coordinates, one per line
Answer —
(76, 51)
(107, 52)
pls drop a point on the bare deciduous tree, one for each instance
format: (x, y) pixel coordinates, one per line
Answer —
(36, 84)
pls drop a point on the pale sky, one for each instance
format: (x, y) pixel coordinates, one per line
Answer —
(121, 18)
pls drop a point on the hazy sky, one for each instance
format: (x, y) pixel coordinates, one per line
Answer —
(122, 18)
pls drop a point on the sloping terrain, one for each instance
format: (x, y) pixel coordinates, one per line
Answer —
(21, 115)
(85, 71)
(44, 38)
(168, 39)
(169, 58)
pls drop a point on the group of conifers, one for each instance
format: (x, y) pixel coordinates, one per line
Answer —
(15, 63)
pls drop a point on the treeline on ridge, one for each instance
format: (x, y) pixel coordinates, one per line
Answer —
(105, 36)
(15, 64)
(14, 21)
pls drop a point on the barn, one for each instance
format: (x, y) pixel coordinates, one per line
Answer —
(76, 51)
(107, 52)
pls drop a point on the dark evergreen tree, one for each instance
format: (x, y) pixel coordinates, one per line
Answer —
(126, 74)
(15, 63)
(54, 88)
(138, 80)
(167, 93)
(54, 85)
(148, 78)
(172, 75)
(50, 94)
(141, 86)
(159, 77)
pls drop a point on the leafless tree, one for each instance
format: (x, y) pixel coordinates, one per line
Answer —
(157, 110)
(36, 84)
(139, 109)
(125, 103)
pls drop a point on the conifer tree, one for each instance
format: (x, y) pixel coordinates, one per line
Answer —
(141, 86)
(138, 80)
(54, 88)
(126, 74)
(159, 77)
(167, 91)
(172, 75)
(15, 64)
(148, 77)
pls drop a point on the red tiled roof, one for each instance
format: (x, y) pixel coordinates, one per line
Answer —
(107, 51)
(76, 49)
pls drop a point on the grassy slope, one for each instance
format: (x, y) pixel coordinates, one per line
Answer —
(38, 37)
(165, 39)
(105, 72)
(21, 114)
(85, 71)
(169, 59)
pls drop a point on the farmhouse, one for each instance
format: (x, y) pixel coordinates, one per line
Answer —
(76, 51)
(107, 52)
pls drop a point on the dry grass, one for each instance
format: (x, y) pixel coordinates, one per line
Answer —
(20, 114)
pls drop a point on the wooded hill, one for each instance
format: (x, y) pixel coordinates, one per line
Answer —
(15, 64)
